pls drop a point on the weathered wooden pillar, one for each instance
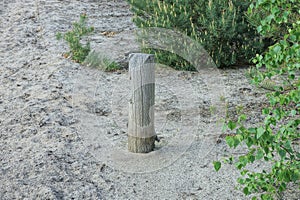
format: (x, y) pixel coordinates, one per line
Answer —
(141, 132)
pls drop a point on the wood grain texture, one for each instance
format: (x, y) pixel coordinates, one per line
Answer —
(141, 132)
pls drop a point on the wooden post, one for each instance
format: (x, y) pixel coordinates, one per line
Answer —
(141, 133)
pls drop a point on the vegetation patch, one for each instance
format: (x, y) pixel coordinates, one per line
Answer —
(277, 140)
(97, 60)
(220, 26)
(78, 51)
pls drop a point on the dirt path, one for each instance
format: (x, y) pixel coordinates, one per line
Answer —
(63, 126)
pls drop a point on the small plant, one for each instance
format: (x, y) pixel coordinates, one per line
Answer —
(111, 65)
(222, 98)
(78, 51)
(212, 109)
(97, 60)
(239, 109)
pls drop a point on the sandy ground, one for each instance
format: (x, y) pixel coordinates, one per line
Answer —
(63, 125)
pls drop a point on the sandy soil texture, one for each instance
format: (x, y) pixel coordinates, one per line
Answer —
(63, 125)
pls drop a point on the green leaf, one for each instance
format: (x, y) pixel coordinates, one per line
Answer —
(229, 141)
(259, 154)
(287, 145)
(277, 49)
(246, 191)
(260, 132)
(243, 161)
(217, 165)
(241, 181)
(239, 165)
(244, 172)
(277, 164)
(266, 197)
(265, 111)
(251, 158)
(293, 112)
(252, 130)
(231, 125)
(237, 140)
(242, 118)
(224, 127)
(259, 29)
(282, 187)
(250, 141)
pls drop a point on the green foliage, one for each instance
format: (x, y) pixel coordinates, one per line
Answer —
(170, 59)
(219, 25)
(274, 21)
(217, 165)
(276, 141)
(78, 51)
(111, 65)
(97, 60)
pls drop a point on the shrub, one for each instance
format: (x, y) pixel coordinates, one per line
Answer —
(276, 141)
(78, 51)
(219, 25)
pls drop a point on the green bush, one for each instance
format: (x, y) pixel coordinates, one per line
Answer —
(276, 140)
(219, 25)
(78, 51)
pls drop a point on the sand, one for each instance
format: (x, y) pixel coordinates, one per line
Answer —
(63, 125)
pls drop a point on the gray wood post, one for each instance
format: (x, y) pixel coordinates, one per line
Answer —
(141, 132)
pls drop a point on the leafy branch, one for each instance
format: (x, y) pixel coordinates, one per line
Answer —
(274, 140)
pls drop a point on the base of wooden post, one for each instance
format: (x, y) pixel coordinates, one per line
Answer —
(141, 145)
